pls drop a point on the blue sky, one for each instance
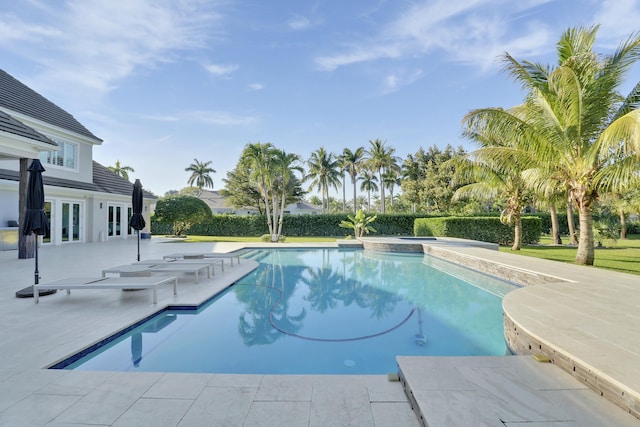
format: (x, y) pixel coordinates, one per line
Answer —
(165, 81)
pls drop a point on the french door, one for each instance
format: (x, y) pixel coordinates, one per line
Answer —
(71, 222)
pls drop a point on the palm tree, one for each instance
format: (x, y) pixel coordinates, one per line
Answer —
(258, 157)
(391, 179)
(122, 171)
(351, 163)
(580, 131)
(380, 159)
(368, 183)
(494, 172)
(285, 165)
(200, 175)
(323, 173)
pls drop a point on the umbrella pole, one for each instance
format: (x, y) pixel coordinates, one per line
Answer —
(138, 232)
(37, 273)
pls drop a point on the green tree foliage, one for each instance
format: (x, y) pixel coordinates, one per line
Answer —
(426, 182)
(121, 170)
(272, 175)
(351, 163)
(200, 175)
(583, 134)
(323, 172)
(182, 212)
(240, 190)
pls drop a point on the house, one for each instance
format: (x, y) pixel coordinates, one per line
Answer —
(85, 201)
(218, 206)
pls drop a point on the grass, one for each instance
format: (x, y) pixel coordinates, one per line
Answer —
(622, 255)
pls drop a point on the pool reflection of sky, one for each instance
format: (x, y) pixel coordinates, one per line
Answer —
(321, 311)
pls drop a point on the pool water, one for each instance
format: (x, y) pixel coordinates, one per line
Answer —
(320, 311)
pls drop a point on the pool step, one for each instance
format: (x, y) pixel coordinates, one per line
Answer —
(501, 390)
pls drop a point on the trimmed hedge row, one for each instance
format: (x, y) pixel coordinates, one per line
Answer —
(485, 229)
(294, 225)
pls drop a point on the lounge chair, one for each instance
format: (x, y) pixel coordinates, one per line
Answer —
(107, 283)
(205, 255)
(187, 261)
(140, 270)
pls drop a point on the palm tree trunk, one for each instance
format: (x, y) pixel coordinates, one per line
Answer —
(381, 189)
(570, 222)
(586, 254)
(344, 192)
(623, 223)
(26, 244)
(355, 209)
(517, 233)
(555, 227)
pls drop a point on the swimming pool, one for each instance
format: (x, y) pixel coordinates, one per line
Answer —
(320, 311)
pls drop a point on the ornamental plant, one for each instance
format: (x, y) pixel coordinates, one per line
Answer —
(359, 223)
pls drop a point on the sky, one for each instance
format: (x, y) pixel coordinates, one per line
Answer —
(164, 82)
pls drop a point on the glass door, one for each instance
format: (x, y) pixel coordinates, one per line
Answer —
(47, 211)
(115, 221)
(70, 222)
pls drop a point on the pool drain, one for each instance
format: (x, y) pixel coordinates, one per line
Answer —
(349, 363)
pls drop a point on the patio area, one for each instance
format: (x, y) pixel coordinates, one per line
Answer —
(444, 391)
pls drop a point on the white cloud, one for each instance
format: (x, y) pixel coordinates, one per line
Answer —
(618, 19)
(299, 23)
(95, 43)
(399, 79)
(471, 31)
(221, 69)
(255, 86)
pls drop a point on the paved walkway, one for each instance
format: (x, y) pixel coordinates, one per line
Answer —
(35, 336)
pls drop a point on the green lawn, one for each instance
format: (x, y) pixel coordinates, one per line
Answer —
(622, 255)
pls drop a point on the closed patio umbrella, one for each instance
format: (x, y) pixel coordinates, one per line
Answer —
(137, 220)
(35, 220)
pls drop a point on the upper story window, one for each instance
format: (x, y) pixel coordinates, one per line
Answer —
(66, 156)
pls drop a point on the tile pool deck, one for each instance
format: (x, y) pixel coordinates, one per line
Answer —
(447, 391)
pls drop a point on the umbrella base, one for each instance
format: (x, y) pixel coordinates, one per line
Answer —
(28, 292)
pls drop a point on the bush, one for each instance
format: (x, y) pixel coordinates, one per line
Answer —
(181, 211)
(293, 225)
(485, 229)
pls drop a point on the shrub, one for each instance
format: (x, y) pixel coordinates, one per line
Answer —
(485, 229)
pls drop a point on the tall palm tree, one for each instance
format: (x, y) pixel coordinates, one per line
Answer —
(391, 179)
(352, 163)
(200, 175)
(380, 159)
(285, 165)
(120, 170)
(323, 173)
(368, 183)
(258, 158)
(582, 133)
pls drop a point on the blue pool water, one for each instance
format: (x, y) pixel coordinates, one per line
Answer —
(320, 311)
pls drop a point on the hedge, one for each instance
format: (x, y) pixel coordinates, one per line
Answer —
(485, 229)
(294, 225)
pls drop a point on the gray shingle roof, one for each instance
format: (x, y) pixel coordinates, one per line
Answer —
(10, 125)
(18, 97)
(104, 181)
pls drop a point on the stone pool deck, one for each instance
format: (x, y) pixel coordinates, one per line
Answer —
(589, 322)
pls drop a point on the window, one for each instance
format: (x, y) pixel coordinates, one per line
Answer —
(65, 156)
